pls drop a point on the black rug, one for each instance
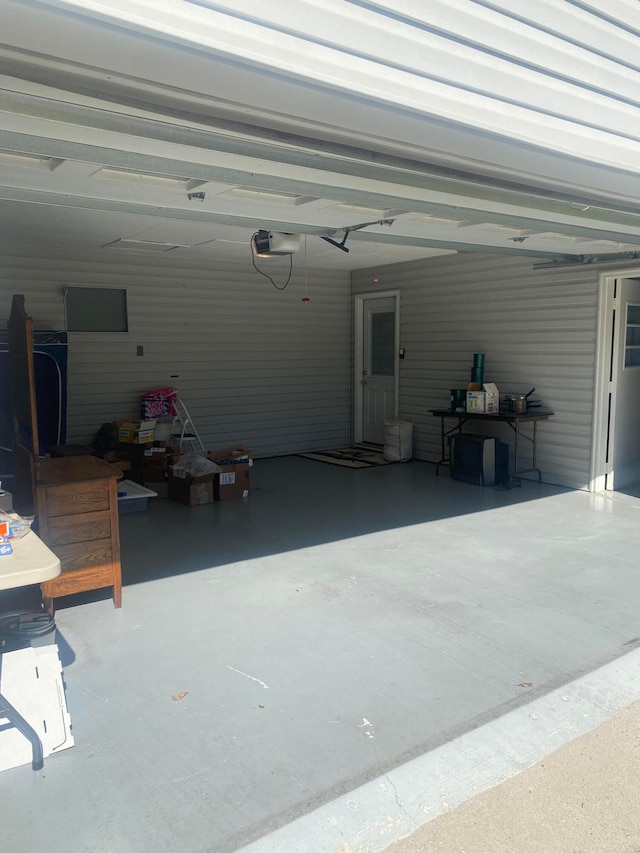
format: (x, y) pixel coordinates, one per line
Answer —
(349, 457)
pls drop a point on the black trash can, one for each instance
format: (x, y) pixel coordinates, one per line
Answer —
(21, 629)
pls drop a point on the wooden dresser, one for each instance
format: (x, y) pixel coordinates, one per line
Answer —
(77, 509)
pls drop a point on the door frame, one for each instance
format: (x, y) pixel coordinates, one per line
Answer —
(358, 359)
(605, 378)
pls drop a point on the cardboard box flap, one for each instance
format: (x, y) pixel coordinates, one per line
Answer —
(232, 452)
(126, 423)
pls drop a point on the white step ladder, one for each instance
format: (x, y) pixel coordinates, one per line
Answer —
(184, 429)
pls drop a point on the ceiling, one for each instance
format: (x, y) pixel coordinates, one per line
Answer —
(183, 127)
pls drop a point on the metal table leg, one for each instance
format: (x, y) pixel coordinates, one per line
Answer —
(533, 457)
(516, 451)
(7, 710)
(444, 458)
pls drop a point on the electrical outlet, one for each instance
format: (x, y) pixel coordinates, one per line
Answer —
(139, 350)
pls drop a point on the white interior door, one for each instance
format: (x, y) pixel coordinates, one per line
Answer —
(376, 365)
(624, 422)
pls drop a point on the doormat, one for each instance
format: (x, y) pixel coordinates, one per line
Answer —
(349, 457)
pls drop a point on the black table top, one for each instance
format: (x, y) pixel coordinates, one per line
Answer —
(540, 414)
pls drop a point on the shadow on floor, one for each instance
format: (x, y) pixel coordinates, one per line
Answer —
(298, 503)
(294, 503)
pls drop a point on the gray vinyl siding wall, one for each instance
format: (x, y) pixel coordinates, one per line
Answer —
(253, 364)
(536, 328)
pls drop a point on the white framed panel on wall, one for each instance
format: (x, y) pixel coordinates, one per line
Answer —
(364, 311)
(611, 356)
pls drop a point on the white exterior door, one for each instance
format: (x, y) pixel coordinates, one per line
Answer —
(624, 424)
(376, 365)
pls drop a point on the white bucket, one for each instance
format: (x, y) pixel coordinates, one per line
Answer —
(398, 440)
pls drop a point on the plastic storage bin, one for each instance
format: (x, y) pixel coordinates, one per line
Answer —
(132, 497)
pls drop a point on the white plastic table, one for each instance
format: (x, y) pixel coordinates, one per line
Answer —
(31, 562)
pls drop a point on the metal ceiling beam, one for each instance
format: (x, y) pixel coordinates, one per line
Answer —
(293, 150)
(199, 215)
(64, 149)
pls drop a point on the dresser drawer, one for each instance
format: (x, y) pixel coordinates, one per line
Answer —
(76, 498)
(83, 555)
(79, 580)
(84, 527)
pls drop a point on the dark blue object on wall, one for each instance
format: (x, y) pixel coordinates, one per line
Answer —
(50, 368)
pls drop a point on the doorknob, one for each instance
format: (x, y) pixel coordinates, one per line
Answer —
(363, 381)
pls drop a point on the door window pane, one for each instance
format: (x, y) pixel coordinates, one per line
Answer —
(632, 357)
(633, 314)
(383, 329)
(632, 336)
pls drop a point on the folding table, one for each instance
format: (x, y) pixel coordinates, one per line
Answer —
(31, 562)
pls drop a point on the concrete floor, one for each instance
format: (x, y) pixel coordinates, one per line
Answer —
(330, 628)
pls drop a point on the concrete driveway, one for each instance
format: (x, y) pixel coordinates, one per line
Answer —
(582, 798)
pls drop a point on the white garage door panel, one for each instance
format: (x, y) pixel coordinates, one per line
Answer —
(546, 103)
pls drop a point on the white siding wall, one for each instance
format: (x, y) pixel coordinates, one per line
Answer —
(254, 365)
(536, 328)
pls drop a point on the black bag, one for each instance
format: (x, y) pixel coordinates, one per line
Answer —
(106, 439)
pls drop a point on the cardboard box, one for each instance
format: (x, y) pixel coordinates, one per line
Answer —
(136, 432)
(154, 453)
(233, 452)
(486, 401)
(236, 451)
(192, 491)
(150, 462)
(123, 465)
(233, 480)
(157, 452)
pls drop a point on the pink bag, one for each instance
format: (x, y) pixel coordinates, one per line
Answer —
(158, 403)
